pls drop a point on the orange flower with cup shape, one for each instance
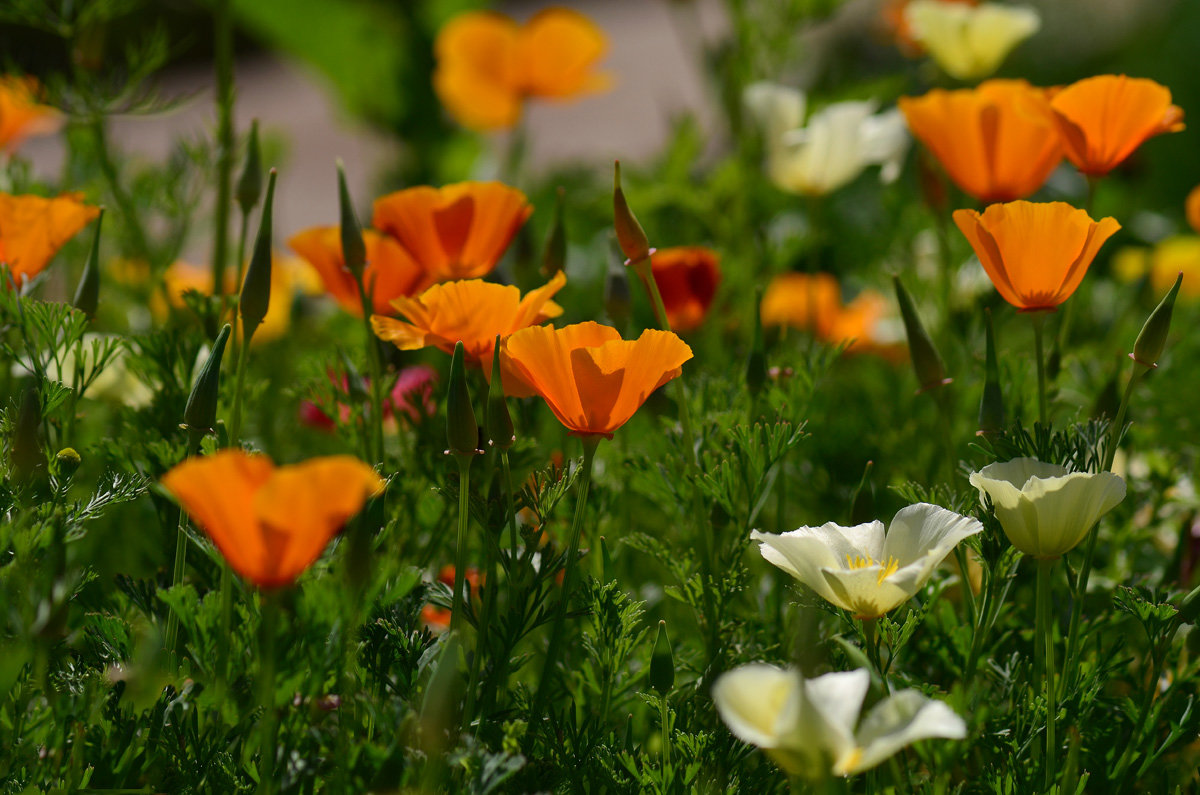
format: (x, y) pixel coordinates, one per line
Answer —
(1035, 254)
(998, 141)
(389, 272)
(687, 278)
(487, 64)
(591, 379)
(1103, 119)
(471, 311)
(813, 302)
(21, 115)
(271, 523)
(33, 229)
(459, 231)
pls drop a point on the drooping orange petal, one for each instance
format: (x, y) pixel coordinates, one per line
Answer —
(802, 301)
(557, 51)
(969, 223)
(321, 247)
(477, 75)
(1103, 119)
(687, 278)
(33, 229)
(21, 116)
(218, 492)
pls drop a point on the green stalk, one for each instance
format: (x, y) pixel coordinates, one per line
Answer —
(1046, 622)
(1039, 319)
(239, 383)
(376, 370)
(460, 553)
(485, 620)
(666, 732)
(266, 694)
(560, 614)
(177, 570)
(129, 215)
(223, 57)
(243, 231)
(512, 512)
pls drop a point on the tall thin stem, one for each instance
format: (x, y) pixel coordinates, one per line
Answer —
(1039, 320)
(239, 384)
(460, 551)
(181, 541)
(266, 694)
(1046, 623)
(223, 57)
(376, 369)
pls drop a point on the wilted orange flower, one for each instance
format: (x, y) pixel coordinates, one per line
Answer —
(472, 311)
(1192, 208)
(271, 523)
(1035, 254)
(802, 301)
(1103, 119)
(21, 116)
(590, 378)
(459, 231)
(998, 142)
(33, 229)
(389, 272)
(687, 277)
(487, 64)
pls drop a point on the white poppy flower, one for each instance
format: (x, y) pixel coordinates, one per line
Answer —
(1045, 509)
(833, 148)
(863, 569)
(810, 727)
(969, 42)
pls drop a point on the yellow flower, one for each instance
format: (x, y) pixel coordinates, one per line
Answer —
(969, 42)
(1162, 263)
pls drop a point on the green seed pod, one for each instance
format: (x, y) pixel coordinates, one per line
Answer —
(67, 462)
(87, 294)
(662, 662)
(630, 234)
(25, 448)
(256, 290)
(927, 362)
(354, 250)
(249, 184)
(554, 256)
(756, 362)
(200, 413)
(462, 432)
(991, 405)
(499, 422)
(1153, 338)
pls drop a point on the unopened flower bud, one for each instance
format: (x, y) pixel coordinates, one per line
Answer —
(927, 362)
(249, 185)
(991, 405)
(630, 235)
(499, 422)
(354, 250)
(67, 462)
(200, 413)
(1153, 338)
(87, 294)
(554, 256)
(662, 662)
(462, 432)
(256, 290)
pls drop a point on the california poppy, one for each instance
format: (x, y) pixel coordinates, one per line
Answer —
(867, 325)
(1035, 254)
(1103, 119)
(998, 142)
(471, 311)
(894, 14)
(487, 64)
(969, 42)
(33, 229)
(590, 378)
(389, 272)
(687, 277)
(804, 301)
(271, 523)
(21, 115)
(459, 231)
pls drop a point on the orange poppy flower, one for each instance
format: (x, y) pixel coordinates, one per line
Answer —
(998, 142)
(687, 277)
(271, 523)
(1103, 119)
(590, 378)
(1192, 208)
(863, 324)
(459, 231)
(802, 301)
(487, 64)
(389, 273)
(472, 311)
(1035, 254)
(21, 116)
(33, 229)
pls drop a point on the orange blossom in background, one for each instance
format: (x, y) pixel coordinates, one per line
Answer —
(1103, 119)
(271, 523)
(1035, 254)
(33, 229)
(487, 64)
(998, 141)
(21, 115)
(687, 278)
(459, 231)
(388, 273)
(813, 302)
(1192, 208)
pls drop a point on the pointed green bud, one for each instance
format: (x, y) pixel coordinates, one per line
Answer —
(249, 184)
(662, 662)
(499, 422)
(554, 256)
(617, 302)
(756, 363)
(25, 448)
(354, 250)
(1150, 343)
(991, 405)
(927, 362)
(67, 462)
(630, 234)
(462, 432)
(256, 290)
(628, 742)
(200, 414)
(87, 294)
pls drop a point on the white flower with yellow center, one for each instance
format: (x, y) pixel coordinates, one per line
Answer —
(811, 728)
(969, 42)
(864, 569)
(1045, 509)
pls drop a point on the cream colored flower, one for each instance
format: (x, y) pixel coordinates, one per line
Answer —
(970, 42)
(833, 148)
(810, 727)
(863, 569)
(114, 382)
(1045, 509)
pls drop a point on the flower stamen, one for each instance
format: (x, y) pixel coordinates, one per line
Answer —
(887, 567)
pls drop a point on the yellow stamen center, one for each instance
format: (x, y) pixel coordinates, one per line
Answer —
(887, 567)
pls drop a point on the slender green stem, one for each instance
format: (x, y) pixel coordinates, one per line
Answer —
(129, 214)
(243, 231)
(1046, 623)
(239, 385)
(266, 694)
(1134, 743)
(223, 58)
(460, 550)
(376, 369)
(1039, 320)
(665, 716)
(560, 614)
(512, 511)
(181, 542)
(485, 619)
